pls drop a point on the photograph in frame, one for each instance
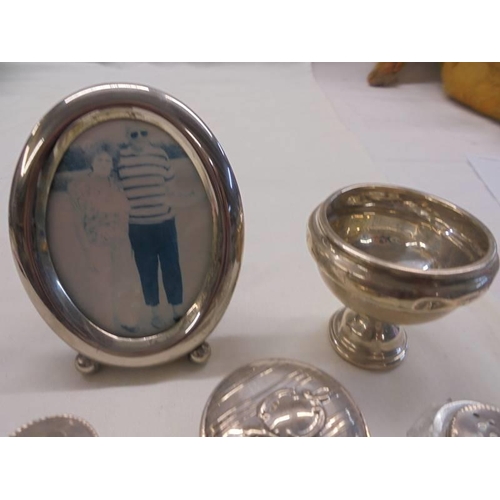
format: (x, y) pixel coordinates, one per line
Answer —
(129, 227)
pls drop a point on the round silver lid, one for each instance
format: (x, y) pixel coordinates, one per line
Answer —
(281, 398)
(56, 426)
(476, 420)
(462, 418)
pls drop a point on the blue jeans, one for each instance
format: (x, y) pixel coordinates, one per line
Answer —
(156, 245)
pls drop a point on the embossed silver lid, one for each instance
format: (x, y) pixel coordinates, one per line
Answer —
(281, 398)
(56, 426)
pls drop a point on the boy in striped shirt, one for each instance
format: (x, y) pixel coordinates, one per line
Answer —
(146, 177)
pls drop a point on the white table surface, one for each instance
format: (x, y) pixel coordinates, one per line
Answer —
(293, 134)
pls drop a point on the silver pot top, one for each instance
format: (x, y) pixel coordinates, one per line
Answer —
(56, 426)
(281, 398)
(476, 420)
(458, 419)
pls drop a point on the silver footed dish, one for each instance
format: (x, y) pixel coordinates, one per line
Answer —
(395, 256)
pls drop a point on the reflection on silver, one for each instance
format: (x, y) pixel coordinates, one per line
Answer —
(57, 426)
(395, 256)
(99, 88)
(281, 398)
(458, 419)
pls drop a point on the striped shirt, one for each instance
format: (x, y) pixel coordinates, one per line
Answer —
(145, 177)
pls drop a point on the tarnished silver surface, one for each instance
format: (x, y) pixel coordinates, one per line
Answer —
(395, 256)
(281, 398)
(56, 426)
(27, 224)
(458, 419)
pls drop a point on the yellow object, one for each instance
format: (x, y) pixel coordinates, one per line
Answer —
(476, 85)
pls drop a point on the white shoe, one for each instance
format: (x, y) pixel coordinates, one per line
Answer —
(158, 323)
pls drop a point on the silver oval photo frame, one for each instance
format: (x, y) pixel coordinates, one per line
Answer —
(39, 210)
